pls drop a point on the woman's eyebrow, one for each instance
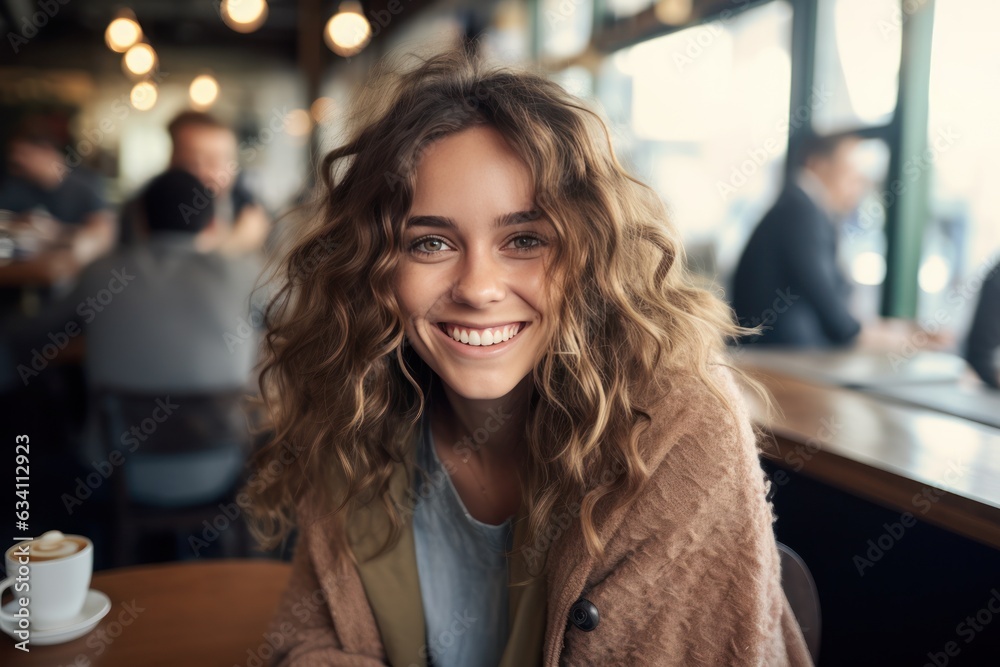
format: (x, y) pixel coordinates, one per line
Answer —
(505, 220)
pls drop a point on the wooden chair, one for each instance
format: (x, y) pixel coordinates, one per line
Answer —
(800, 589)
(165, 429)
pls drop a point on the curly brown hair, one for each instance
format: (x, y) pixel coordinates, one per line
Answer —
(345, 395)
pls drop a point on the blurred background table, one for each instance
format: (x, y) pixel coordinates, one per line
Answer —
(894, 507)
(975, 402)
(858, 368)
(884, 451)
(190, 613)
(46, 268)
(35, 251)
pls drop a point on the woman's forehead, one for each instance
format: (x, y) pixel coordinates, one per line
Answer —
(471, 174)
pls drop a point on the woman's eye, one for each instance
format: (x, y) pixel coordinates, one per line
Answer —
(430, 245)
(534, 242)
(416, 247)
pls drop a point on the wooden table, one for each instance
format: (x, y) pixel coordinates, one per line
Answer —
(212, 613)
(53, 257)
(858, 368)
(34, 276)
(942, 469)
(48, 267)
(972, 400)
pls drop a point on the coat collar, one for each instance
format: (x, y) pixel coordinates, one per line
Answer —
(390, 580)
(392, 585)
(526, 609)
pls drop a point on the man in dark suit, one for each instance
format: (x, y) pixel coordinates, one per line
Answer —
(787, 278)
(983, 345)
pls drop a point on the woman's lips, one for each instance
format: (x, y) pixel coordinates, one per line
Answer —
(485, 336)
(480, 348)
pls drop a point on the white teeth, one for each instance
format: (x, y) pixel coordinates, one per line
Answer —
(485, 337)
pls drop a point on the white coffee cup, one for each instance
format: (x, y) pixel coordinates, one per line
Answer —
(53, 586)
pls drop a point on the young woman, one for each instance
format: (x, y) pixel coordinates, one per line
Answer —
(503, 426)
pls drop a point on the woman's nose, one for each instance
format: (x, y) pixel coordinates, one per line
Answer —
(479, 281)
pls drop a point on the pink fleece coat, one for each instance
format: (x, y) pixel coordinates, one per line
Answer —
(691, 574)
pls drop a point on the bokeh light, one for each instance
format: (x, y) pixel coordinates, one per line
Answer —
(122, 34)
(244, 15)
(140, 59)
(348, 31)
(143, 96)
(322, 108)
(204, 90)
(298, 123)
(673, 12)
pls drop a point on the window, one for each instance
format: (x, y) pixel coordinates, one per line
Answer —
(564, 27)
(858, 46)
(702, 115)
(577, 80)
(507, 39)
(616, 9)
(862, 247)
(667, 12)
(962, 237)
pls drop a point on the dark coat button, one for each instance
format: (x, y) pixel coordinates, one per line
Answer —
(584, 615)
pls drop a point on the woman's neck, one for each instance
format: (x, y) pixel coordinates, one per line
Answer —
(491, 431)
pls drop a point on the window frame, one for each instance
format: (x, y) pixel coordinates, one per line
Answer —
(905, 133)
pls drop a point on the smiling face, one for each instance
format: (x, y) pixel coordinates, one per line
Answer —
(473, 265)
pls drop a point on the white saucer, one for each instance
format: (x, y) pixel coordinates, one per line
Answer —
(95, 607)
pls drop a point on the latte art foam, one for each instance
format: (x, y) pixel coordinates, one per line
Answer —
(54, 545)
(50, 549)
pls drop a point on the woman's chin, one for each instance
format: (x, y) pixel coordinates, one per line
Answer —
(480, 385)
(476, 391)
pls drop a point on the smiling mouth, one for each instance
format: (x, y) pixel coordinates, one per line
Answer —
(482, 337)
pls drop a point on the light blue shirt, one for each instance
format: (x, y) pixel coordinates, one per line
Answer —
(462, 566)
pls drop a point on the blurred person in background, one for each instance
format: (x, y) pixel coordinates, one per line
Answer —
(73, 208)
(167, 314)
(46, 205)
(788, 278)
(983, 344)
(207, 148)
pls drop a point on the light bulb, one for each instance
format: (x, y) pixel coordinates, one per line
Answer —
(204, 90)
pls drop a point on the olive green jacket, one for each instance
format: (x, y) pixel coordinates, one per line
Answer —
(691, 573)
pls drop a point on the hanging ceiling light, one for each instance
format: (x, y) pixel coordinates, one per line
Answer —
(122, 32)
(244, 15)
(204, 90)
(140, 59)
(348, 31)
